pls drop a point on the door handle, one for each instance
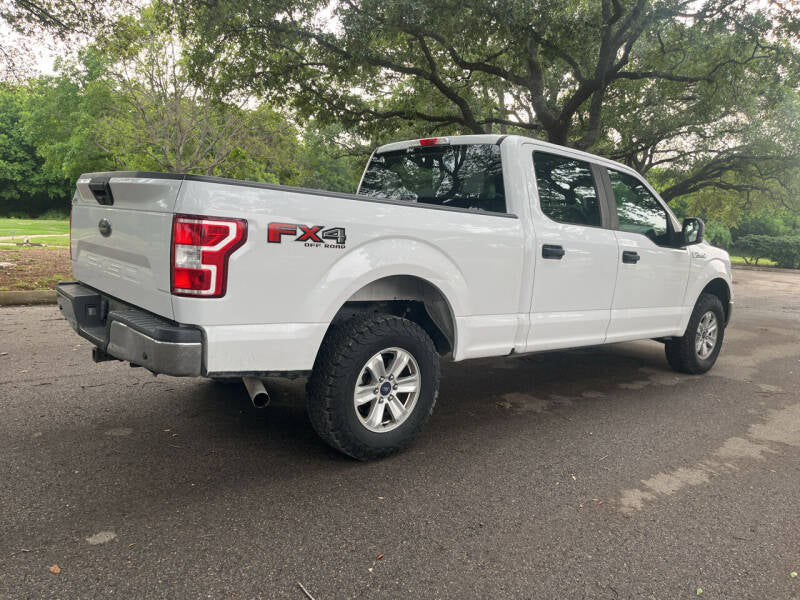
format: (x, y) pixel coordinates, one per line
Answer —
(552, 251)
(631, 257)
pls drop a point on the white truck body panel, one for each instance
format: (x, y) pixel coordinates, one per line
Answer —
(133, 262)
(501, 295)
(291, 285)
(648, 296)
(572, 297)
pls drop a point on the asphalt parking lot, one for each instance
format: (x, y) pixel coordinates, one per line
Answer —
(595, 473)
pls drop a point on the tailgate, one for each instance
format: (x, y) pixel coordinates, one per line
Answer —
(121, 236)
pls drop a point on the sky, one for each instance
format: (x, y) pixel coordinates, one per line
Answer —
(41, 52)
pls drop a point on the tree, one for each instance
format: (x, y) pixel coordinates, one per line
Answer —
(160, 120)
(62, 114)
(27, 25)
(326, 160)
(26, 185)
(667, 83)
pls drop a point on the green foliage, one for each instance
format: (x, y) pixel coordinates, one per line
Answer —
(323, 164)
(61, 118)
(27, 185)
(701, 96)
(701, 91)
(783, 250)
(768, 224)
(55, 214)
(125, 103)
(718, 234)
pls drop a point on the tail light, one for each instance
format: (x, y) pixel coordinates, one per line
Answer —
(201, 247)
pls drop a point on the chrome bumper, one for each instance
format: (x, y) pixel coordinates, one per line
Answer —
(124, 332)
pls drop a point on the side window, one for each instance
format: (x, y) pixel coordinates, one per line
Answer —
(567, 192)
(637, 208)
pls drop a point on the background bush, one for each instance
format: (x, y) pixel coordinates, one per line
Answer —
(784, 250)
(718, 234)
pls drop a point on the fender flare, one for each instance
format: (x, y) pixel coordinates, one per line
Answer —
(714, 270)
(387, 257)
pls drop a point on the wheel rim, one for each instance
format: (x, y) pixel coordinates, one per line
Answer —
(387, 390)
(706, 338)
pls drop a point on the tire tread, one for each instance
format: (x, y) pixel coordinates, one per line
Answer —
(335, 362)
(680, 352)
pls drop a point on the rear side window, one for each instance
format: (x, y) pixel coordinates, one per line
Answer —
(637, 208)
(567, 192)
(460, 176)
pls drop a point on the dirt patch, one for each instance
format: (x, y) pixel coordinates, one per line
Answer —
(34, 268)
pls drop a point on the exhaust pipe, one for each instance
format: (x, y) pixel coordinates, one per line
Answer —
(259, 395)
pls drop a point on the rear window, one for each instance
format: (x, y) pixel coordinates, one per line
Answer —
(461, 176)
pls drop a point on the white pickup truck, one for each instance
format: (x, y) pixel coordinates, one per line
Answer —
(468, 246)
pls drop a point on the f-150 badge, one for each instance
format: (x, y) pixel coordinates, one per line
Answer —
(310, 235)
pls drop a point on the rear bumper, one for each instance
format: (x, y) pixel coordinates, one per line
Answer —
(128, 333)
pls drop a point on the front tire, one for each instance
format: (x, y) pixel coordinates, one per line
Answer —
(698, 349)
(373, 386)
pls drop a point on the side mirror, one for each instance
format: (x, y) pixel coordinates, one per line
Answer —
(692, 232)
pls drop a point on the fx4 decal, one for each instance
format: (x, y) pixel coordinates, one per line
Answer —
(311, 235)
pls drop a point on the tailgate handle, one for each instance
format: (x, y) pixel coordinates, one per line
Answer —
(101, 189)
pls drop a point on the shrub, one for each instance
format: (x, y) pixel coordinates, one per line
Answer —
(784, 250)
(57, 214)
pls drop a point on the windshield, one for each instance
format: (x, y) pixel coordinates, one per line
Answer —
(461, 176)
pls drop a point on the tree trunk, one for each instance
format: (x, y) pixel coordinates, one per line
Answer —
(558, 134)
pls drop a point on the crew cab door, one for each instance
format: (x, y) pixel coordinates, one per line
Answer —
(652, 274)
(575, 254)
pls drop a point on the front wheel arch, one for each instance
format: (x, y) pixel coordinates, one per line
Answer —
(719, 287)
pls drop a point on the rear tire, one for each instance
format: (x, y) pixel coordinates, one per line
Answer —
(698, 349)
(373, 386)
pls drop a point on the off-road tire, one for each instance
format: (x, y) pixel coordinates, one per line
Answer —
(681, 353)
(345, 350)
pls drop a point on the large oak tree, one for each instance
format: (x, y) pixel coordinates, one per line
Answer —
(692, 89)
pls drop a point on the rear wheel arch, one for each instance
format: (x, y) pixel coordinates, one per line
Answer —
(410, 297)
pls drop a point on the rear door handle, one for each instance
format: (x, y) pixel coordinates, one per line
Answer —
(631, 257)
(552, 251)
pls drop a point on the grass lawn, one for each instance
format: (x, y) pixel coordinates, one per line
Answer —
(59, 241)
(26, 227)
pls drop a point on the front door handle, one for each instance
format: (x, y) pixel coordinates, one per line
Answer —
(552, 251)
(631, 257)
